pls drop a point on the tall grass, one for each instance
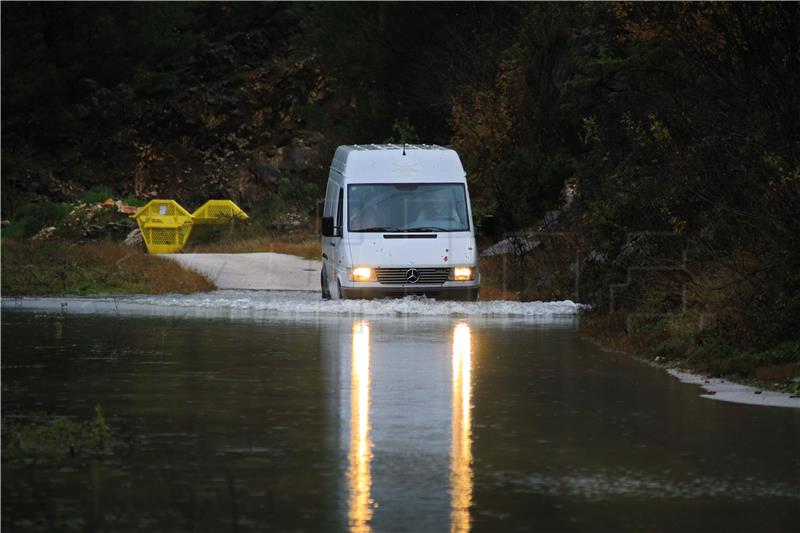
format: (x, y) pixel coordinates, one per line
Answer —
(31, 268)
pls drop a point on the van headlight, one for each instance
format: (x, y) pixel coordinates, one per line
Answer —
(463, 273)
(362, 274)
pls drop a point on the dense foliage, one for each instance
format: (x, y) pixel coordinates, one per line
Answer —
(676, 124)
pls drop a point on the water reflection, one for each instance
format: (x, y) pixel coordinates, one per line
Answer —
(255, 418)
(461, 444)
(359, 473)
(408, 403)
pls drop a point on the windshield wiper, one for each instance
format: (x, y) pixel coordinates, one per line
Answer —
(425, 229)
(379, 228)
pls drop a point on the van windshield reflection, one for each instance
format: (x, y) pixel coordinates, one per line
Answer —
(406, 207)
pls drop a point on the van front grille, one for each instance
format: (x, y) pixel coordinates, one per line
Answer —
(426, 276)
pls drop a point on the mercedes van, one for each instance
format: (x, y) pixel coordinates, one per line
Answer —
(397, 221)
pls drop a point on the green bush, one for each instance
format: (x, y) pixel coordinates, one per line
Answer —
(526, 185)
(296, 193)
(96, 195)
(30, 218)
(675, 347)
(135, 202)
(717, 356)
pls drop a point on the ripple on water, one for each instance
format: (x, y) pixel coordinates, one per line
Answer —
(603, 485)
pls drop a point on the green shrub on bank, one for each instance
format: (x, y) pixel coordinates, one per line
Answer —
(95, 195)
(684, 340)
(675, 347)
(30, 218)
(134, 202)
(717, 356)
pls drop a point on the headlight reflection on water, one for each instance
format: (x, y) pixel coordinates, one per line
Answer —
(361, 506)
(461, 444)
(359, 471)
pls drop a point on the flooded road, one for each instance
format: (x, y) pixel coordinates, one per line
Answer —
(246, 417)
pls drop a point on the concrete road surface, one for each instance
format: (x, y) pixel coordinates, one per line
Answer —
(262, 271)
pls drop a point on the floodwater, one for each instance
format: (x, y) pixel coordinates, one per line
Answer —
(249, 418)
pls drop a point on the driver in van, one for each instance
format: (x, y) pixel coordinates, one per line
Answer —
(433, 213)
(367, 217)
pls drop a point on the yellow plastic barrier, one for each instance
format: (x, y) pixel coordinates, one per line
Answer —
(165, 226)
(217, 212)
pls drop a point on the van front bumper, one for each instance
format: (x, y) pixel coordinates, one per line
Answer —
(440, 292)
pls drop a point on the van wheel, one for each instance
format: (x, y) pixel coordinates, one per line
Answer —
(323, 281)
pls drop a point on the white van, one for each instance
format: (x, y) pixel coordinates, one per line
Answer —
(398, 221)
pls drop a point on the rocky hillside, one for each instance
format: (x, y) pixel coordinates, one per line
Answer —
(224, 120)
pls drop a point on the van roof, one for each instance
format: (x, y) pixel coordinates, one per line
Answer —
(421, 162)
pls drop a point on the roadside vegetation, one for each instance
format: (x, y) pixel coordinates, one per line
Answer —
(94, 268)
(615, 123)
(76, 248)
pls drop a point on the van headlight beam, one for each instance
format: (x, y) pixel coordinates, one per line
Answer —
(362, 274)
(463, 273)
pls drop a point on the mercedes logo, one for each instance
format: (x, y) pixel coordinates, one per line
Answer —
(412, 275)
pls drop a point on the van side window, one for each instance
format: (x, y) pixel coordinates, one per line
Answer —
(339, 211)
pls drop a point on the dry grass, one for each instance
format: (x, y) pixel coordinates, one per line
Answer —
(782, 372)
(92, 268)
(542, 275)
(305, 246)
(608, 331)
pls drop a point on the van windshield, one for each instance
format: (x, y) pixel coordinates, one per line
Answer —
(406, 207)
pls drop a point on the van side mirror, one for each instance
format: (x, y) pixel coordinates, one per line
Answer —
(327, 227)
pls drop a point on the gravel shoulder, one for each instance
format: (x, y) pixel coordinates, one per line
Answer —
(254, 271)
